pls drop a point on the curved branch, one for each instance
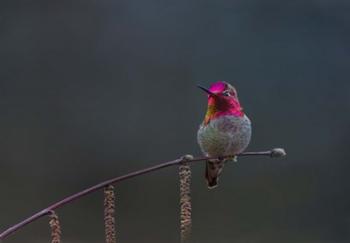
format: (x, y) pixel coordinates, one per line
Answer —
(274, 153)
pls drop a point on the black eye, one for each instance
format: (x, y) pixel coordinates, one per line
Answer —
(226, 93)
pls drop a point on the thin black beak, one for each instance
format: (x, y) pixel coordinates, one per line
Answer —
(206, 90)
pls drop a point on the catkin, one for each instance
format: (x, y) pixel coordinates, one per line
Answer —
(109, 211)
(55, 228)
(185, 201)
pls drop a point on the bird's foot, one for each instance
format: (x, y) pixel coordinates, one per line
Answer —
(221, 158)
(231, 158)
(216, 161)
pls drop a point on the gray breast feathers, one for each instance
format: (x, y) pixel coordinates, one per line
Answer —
(227, 135)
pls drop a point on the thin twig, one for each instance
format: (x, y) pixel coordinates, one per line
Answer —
(271, 153)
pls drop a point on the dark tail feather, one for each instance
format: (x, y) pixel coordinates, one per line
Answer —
(212, 172)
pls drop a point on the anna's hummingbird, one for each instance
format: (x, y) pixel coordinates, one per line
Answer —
(226, 130)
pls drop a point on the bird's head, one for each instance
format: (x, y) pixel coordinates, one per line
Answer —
(222, 100)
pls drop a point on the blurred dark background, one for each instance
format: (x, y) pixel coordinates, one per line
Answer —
(90, 90)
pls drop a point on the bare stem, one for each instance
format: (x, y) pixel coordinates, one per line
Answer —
(271, 153)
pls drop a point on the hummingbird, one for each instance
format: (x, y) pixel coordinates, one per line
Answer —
(225, 131)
